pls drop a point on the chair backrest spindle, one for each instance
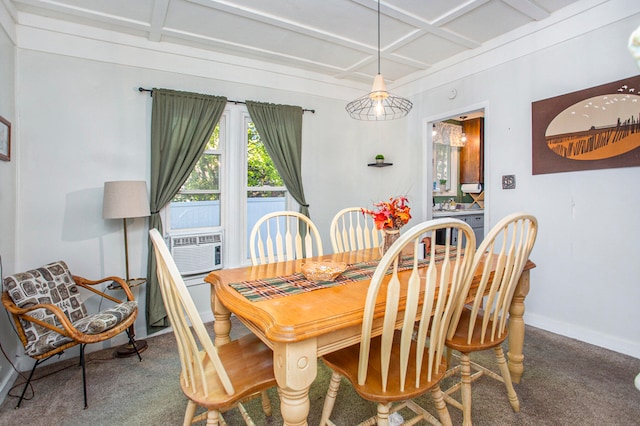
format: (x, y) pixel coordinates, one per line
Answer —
(282, 236)
(352, 230)
(507, 246)
(409, 319)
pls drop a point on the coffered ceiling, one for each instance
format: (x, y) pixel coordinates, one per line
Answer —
(338, 38)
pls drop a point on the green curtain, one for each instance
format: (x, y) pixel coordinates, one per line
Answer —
(181, 124)
(280, 129)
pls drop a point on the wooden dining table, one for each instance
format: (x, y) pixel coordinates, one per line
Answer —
(301, 324)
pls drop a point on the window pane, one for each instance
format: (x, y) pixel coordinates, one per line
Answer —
(442, 163)
(214, 140)
(205, 175)
(266, 192)
(195, 211)
(260, 203)
(260, 168)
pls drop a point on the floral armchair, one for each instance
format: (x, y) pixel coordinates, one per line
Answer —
(50, 316)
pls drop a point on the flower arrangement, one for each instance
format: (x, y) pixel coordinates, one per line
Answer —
(392, 214)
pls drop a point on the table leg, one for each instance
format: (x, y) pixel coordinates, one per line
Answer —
(222, 320)
(516, 328)
(296, 367)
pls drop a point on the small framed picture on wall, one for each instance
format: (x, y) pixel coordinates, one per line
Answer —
(5, 139)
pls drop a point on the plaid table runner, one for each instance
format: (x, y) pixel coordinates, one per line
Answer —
(271, 288)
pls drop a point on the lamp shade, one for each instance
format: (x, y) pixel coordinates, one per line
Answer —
(124, 199)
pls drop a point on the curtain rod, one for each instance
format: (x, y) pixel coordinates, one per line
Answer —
(142, 89)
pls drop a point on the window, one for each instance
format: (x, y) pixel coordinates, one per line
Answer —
(233, 185)
(265, 189)
(445, 159)
(197, 204)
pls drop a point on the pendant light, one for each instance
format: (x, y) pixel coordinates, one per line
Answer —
(379, 104)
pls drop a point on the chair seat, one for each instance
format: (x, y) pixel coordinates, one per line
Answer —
(236, 355)
(459, 340)
(91, 324)
(345, 362)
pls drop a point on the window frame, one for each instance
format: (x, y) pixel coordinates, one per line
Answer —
(454, 172)
(233, 189)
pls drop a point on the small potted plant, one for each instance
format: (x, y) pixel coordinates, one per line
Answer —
(379, 159)
(443, 185)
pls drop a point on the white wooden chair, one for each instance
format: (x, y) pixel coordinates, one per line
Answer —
(352, 230)
(482, 324)
(408, 358)
(217, 378)
(284, 235)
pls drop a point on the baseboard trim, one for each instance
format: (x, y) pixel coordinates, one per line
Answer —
(586, 335)
(7, 383)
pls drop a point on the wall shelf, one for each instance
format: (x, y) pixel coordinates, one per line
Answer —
(379, 164)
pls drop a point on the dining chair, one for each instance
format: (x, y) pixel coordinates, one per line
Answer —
(216, 378)
(50, 315)
(400, 355)
(482, 324)
(284, 235)
(353, 230)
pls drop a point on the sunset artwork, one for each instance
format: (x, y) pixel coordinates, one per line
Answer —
(591, 129)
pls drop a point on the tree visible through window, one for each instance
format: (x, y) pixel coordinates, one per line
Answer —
(261, 172)
(197, 204)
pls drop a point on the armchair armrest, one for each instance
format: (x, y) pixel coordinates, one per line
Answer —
(87, 283)
(23, 313)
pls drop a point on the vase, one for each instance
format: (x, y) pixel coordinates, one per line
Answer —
(390, 236)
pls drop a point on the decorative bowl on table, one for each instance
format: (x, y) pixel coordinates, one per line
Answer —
(323, 270)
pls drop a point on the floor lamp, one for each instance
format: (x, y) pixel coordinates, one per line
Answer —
(123, 200)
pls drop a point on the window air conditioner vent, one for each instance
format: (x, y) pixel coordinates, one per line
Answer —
(196, 253)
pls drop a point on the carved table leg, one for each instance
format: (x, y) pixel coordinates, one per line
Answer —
(222, 321)
(516, 328)
(295, 366)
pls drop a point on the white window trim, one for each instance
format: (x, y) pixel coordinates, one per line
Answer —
(233, 190)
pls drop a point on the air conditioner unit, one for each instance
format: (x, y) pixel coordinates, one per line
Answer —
(196, 253)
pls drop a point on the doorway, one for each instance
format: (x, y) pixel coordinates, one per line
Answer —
(454, 162)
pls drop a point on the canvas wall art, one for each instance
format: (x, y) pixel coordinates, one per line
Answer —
(595, 128)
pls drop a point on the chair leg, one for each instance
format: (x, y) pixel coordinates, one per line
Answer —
(26, 385)
(383, 414)
(266, 403)
(84, 378)
(189, 413)
(132, 342)
(506, 378)
(213, 418)
(465, 373)
(441, 407)
(330, 399)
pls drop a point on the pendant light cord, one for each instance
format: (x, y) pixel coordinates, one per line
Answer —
(378, 36)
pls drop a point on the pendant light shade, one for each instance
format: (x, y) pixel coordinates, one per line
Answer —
(379, 104)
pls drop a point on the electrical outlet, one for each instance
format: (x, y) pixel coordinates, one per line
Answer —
(508, 181)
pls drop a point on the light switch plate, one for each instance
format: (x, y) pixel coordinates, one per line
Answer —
(508, 181)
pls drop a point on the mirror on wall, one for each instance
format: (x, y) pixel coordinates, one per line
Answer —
(458, 154)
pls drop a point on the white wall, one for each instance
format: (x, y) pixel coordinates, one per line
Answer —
(585, 284)
(8, 339)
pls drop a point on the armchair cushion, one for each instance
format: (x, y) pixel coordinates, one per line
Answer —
(107, 319)
(45, 340)
(54, 284)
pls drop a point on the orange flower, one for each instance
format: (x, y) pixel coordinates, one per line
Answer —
(393, 214)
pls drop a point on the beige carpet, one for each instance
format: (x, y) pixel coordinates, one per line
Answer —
(565, 383)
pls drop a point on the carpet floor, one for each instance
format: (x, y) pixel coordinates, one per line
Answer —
(566, 382)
